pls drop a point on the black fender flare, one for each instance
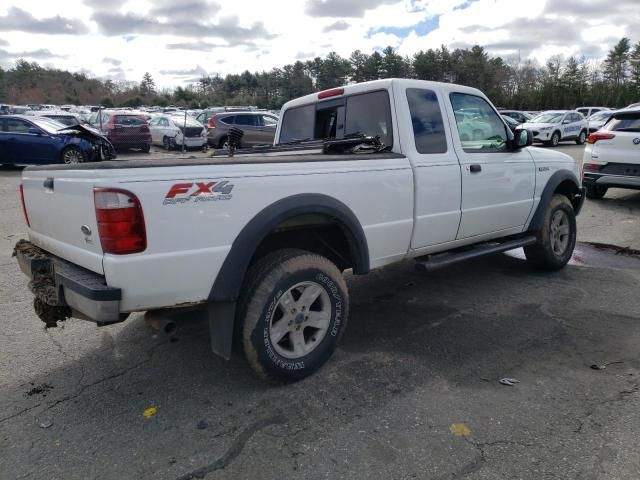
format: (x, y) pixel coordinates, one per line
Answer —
(556, 179)
(227, 285)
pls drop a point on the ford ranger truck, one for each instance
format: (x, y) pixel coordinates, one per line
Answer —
(358, 177)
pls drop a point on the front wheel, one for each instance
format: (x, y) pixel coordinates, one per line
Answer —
(72, 155)
(581, 138)
(555, 140)
(557, 239)
(293, 311)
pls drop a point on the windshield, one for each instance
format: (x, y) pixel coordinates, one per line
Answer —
(599, 117)
(48, 125)
(548, 118)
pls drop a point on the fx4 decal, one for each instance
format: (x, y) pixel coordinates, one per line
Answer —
(198, 192)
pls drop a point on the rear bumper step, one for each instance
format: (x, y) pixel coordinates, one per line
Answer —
(434, 262)
(84, 291)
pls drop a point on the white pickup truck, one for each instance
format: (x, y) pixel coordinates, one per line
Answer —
(359, 177)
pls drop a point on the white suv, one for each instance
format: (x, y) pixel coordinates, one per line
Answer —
(612, 155)
(554, 126)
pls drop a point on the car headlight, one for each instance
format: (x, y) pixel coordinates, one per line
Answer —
(545, 129)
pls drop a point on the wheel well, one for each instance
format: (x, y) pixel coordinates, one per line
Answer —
(315, 233)
(569, 189)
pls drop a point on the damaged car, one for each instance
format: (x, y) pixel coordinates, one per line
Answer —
(28, 140)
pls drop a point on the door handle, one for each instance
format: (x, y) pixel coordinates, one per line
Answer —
(475, 168)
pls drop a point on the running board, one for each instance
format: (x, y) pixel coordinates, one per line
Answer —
(429, 263)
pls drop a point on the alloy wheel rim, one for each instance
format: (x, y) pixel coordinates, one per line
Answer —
(300, 320)
(559, 233)
(72, 156)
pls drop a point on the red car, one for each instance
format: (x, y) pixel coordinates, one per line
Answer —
(125, 129)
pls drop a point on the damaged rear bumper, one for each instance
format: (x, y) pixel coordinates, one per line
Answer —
(59, 283)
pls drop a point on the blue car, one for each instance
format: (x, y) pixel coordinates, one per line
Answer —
(28, 140)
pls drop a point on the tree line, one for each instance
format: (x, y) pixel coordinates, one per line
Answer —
(511, 83)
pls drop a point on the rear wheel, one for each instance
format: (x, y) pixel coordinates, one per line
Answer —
(146, 148)
(581, 138)
(71, 155)
(557, 239)
(223, 143)
(596, 192)
(293, 311)
(166, 143)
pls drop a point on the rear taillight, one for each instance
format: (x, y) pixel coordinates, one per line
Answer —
(24, 206)
(120, 221)
(593, 166)
(211, 122)
(594, 137)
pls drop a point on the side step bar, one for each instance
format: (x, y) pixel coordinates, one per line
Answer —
(429, 263)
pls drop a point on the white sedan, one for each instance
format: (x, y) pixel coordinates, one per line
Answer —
(174, 131)
(555, 126)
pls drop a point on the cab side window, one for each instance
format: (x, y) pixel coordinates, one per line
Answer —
(426, 118)
(480, 128)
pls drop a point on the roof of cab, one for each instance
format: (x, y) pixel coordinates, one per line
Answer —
(380, 85)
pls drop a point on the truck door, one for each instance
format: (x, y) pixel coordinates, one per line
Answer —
(435, 166)
(497, 183)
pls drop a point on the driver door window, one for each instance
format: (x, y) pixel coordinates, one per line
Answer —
(479, 127)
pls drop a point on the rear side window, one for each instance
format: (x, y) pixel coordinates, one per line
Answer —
(426, 118)
(626, 122)
(228, 120)
(369, 114)
(298, 124)
(246, 120)
(129, 121)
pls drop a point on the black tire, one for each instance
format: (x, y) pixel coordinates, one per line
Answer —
(222, 142)
(270, 281)
(596, 192)
(551, 252)
(555, 140)
(72, 155)
(581, 138)
(166, 143)
(146, 148)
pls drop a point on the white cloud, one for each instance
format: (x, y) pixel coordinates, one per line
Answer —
(230, 37)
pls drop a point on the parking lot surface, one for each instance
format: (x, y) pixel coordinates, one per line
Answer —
(413, 391)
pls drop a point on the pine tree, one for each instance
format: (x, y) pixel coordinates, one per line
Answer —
(147, 86)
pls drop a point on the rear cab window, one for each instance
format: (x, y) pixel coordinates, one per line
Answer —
(364, 113)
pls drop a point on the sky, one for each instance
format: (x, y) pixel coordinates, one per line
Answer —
(178, 41)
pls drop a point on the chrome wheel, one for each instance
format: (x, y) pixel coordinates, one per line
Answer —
(300, 320)
(559, 232)
(72, 155)
(555, 139)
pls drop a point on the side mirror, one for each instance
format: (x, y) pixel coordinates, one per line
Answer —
(523, 138)
(35, 131)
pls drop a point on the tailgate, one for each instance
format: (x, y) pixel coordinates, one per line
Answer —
(62, 216)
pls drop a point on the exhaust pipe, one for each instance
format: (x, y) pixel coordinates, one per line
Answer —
(161, 323)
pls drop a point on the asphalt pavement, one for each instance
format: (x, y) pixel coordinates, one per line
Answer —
(413, 391)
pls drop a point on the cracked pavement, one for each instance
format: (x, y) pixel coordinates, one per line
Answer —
(422, 352)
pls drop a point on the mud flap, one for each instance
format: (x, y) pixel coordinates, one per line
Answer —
(221, 316)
